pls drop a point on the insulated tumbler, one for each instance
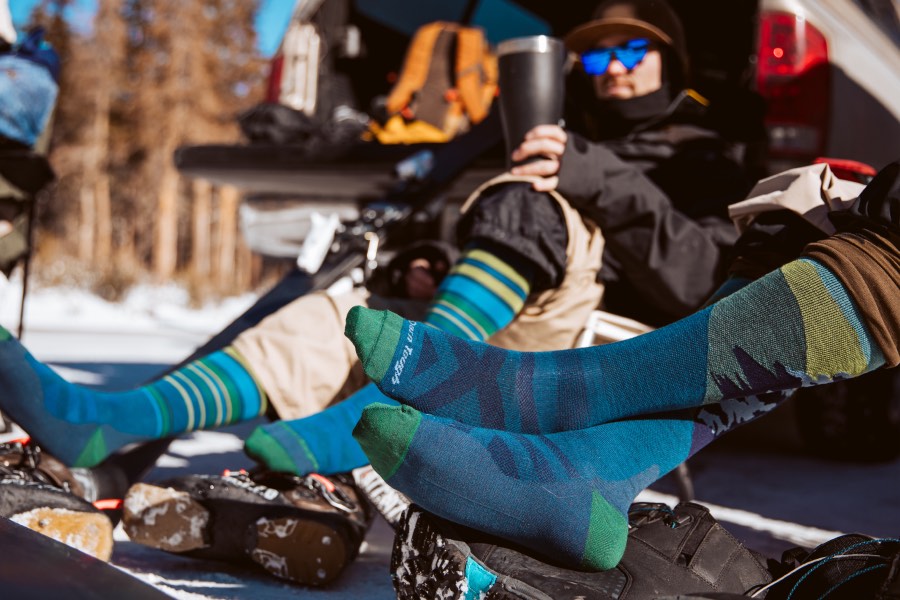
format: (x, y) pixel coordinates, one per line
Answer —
(531, 85)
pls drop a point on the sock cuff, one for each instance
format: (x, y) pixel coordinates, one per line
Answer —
(868, 264)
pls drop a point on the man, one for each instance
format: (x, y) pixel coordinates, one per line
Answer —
(527, 279)
(658, 176)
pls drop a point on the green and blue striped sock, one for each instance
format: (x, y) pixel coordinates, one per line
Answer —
(796, 326)
(482, 294)
(82, 427)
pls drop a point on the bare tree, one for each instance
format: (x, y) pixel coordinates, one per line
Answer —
(108, 53)
(151, 76)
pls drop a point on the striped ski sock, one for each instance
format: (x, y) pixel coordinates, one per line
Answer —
(320, 443)
(82, 427)
(564, 495)
(480, 295)
(796, 326)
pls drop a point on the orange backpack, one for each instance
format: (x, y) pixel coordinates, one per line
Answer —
(447, 84)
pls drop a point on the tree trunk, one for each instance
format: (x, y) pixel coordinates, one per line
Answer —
(98, 171)
(104, 233)
(201, 241)
(244, 261)
(128, 241)
(86, 224)
(165, 243)
(228, 203)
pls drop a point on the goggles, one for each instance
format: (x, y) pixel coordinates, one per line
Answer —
(630, 54)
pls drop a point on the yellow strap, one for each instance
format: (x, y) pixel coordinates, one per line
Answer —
(398, 131)
(415, 65)
(475, 72)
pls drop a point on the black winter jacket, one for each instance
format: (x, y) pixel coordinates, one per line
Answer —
(660, 197)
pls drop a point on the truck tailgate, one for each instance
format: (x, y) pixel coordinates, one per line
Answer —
(290, 170)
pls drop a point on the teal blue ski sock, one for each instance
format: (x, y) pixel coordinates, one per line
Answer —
(564, 495)
(82, 427)
(321, 443)
(796, 326)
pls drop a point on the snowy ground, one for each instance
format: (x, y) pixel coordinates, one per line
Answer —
(759, 482)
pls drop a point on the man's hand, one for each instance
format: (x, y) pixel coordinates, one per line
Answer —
(420, 283)
(548, 142)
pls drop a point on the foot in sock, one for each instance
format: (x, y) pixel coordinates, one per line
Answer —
(795, 326)
(564, 495)
(321, 443)
(82, 427)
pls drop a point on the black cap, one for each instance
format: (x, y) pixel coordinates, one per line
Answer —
(652, 19)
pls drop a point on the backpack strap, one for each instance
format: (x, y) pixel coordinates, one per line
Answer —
(415, 66)
(476, 72)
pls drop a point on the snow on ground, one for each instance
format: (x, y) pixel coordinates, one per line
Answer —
(758, 481)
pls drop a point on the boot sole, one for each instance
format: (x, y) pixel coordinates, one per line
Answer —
(301, 550)
(305, 551)
(165, 519)
(428, 564)
(91, 533)
(425, 566)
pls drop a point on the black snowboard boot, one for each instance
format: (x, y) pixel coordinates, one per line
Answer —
(848, 567)
(39, 492)
(844, 568)
(305, 529)
(668, 552)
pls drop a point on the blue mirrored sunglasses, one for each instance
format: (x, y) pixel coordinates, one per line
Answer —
(630, 54)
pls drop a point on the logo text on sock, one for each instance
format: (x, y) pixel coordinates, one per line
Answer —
(407, 352)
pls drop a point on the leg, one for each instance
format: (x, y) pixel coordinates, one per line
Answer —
(82, 427)
(564, 495)
(777, 333)
(516, 485)
(322, 442)
(828, 316)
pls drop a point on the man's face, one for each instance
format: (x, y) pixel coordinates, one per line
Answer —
(622, 84)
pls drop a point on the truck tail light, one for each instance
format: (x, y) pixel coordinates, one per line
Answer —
(851, 170)
(793, 76)
(273, 87)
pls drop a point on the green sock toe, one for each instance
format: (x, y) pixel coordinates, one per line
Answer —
(376, 334)
(4, 334)
(263, 448)
(385, 432)
(94, 453)
(607, 534)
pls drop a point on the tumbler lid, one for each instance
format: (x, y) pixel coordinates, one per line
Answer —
(531, 43)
